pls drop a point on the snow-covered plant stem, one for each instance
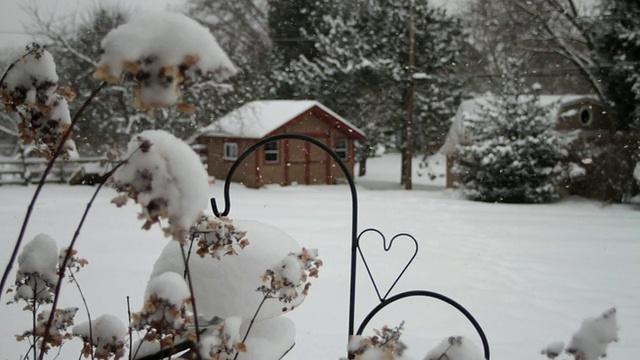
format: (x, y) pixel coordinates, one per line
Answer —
(61, 145)
(84, 301)
(69, 251)
(187, 272)
(6, 72)
(253, 320)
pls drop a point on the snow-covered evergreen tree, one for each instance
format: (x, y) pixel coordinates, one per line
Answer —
(616, 34)
(360, 69)
(512, 153)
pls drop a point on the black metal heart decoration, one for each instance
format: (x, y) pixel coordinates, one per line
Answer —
(387, 247)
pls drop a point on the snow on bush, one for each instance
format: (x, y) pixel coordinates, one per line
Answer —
(166, 177)
(62, 319)
(553, 350)
(224, 341)
(513, 154)
(455, 348)
(217, 236)
(288, 279)
(226, 286)
(165, 312)
(30, 88)
(37, 272)
(384, 345)
(160, 50)
(107, 336)
(595, 334)
(73, 262)
(636, 172)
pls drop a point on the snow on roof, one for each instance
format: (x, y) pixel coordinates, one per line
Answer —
(257, 119)
(456, 134)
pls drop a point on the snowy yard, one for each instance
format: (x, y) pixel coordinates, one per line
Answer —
(528, 273)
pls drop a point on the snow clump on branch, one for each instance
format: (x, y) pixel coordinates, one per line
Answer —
(165, 176)
(455, 348)
(30, 88)
(107, 333)
(288, 279)
(595, 334)
(37, 270)
(161, 50)
(165, 314)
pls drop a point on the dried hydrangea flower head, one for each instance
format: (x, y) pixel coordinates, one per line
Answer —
(384, 345)
(455, 347)
(160, 50)
(165, 314)
(108, 337)
(37, 273)
(223, 341)
(288, 279)
(215, 237)
(62, 319)
(30, 88)
(166, 177)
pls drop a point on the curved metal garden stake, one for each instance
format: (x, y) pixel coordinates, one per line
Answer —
(355, 246)
(354, 203)
(433, 295)
(386, 246)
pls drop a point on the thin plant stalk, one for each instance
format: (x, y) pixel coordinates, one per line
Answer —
(33, 320)
(14, 64)
(193, 299)
(130, 329)
(47, 170)
(86, 307)
(67, 257)
(253, 319)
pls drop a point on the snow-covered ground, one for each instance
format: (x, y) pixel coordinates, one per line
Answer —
(528, 273)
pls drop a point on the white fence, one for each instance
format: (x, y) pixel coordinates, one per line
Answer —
(29, 170)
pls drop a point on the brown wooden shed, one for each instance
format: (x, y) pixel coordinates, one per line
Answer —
(282, 162)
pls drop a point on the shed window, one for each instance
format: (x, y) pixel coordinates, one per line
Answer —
(230, 151)
(342, 149)
(271, 153)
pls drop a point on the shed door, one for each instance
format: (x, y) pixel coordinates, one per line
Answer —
(306, 163)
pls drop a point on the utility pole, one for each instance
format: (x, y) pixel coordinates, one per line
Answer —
(408, 155)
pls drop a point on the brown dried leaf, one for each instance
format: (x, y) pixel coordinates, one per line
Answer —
(241, 347)
(186, 108)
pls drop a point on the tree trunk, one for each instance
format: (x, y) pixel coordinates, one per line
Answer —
(362, 170)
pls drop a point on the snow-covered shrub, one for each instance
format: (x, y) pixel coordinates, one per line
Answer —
(513, 154)
(384, 345)
(165, 176)
(160, 51)
(224, 341)
(165, 314)
(288, 279)
(38, 271)
(105, 334)
(591, 340)
(217, 236)
(455, 348)
(62, 319)
(30, 88)
(595, 334)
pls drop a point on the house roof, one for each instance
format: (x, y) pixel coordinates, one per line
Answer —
(456, 134)
(258, 119)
